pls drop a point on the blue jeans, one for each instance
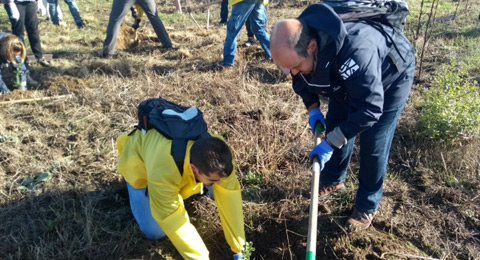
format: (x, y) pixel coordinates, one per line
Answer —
(239, 15)
(72, 6)
(375, 144)
(140, 206)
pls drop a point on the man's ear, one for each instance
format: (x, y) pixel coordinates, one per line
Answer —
(194, 168)
(312, 46)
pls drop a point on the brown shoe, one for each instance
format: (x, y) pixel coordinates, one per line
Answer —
(325, 190)
(360, 220)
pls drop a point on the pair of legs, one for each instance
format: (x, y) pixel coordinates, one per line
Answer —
(250, 35)
(28, 21)
(375, 144)
(248, 9)
(120, 8)
(43, 9)
(53, 7)
(140, 206)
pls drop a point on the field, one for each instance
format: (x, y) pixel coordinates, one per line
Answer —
(61, 198)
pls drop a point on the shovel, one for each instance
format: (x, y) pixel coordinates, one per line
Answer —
(313, 216)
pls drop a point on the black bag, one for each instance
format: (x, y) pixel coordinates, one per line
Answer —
(390, 12)
(176, 122)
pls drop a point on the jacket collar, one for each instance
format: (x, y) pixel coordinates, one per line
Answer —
(326, 23)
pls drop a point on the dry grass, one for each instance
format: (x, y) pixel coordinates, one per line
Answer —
(431, 203)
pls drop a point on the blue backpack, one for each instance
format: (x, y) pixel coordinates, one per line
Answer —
(176, 122)
(390, 12)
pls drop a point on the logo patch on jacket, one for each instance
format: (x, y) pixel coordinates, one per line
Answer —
(348, 68)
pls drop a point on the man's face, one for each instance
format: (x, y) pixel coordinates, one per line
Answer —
(289, 59)
(214, 178)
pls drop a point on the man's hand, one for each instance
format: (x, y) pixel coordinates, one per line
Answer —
(323, 151)
(12, 12)
(315, 116)
(238, 256)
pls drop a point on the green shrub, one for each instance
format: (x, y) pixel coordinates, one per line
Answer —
(451, 106)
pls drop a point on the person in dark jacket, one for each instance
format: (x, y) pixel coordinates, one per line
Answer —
(366, 70)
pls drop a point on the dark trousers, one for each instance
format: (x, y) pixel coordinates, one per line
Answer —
(28, 20)
(224, 11)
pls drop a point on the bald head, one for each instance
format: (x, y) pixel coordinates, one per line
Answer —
(285, 34)
(291, 40)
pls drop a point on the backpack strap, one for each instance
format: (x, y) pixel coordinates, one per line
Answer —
(179, 149)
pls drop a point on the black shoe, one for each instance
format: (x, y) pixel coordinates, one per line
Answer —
(44, 63)
(221, 65)
(81, 25)
(248, 43)
(31, 82)
(222, 24)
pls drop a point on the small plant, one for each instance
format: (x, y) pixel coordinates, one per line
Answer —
(247, 250)
(452, 105)
(451, 180)
(253, 178)
(8, 139)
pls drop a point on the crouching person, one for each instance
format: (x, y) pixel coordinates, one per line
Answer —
(13, 71)
(157, 189)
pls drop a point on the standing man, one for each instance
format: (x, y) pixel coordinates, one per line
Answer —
(367, 72)
(53, 7)
(119, 9)
(23, 15)
(241, 11)
(146, 163)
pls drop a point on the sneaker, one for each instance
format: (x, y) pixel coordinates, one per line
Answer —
(325, 190)
(222, 65)
(222, 24)
(44, 63)
(248, 43)
(360, 220)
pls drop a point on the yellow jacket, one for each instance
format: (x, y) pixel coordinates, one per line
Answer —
(145, 161)
(232, 2)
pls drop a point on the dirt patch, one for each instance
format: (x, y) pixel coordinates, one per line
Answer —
(129, 38)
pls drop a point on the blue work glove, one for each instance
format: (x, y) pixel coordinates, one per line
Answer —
(323, 151)
(314, 116)
(238, 256)
(12, 11)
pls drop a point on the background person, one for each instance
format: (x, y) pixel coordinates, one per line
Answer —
(43, 9)
(119, 9)
(146, 163)
(13, 72)
(72, 6)
(367, 78)
(23, 15)
(241, 11)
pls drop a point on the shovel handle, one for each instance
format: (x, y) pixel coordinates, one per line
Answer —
(312, 221)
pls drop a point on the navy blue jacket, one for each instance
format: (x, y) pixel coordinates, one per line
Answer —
(368, 66)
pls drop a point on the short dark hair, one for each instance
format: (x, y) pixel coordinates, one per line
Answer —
(212, 155)
(301, 39)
